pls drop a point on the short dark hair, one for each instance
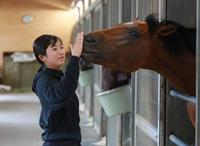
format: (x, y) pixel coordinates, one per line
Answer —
(41, 44)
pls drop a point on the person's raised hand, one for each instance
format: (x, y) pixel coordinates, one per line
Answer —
(76, 49)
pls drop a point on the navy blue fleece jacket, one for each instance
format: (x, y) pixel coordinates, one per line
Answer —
(59, 115)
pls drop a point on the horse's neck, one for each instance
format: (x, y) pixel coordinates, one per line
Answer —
(180, 70)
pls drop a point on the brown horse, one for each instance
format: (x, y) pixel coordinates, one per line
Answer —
(165, 47)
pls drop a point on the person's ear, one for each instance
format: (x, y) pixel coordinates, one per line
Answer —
(166, 29)
(42, 58)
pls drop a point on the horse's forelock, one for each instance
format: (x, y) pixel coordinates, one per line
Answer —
(152, 22)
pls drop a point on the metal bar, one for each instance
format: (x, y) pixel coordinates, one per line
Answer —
(179, 95)
(134, 86)
(159, 112)
(120, 12)
(162, 102)
(162, 10)
(147, 128)
(197, 134)
(177, 141)
(133, 109)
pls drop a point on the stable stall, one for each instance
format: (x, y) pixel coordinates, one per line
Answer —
(155, 114)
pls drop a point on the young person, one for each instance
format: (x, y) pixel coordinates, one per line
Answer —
(59, 117)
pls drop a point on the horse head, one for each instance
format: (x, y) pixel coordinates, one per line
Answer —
(160, 46)
(113, 47)
(125, 47)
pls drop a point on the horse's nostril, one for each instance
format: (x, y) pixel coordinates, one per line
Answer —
(90, 40)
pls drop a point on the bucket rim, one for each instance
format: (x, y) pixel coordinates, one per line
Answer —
(112, 90)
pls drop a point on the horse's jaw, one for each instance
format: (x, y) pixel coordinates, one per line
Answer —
(108, 63)
(183, 78)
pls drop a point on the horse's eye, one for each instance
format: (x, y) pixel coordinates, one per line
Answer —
(134, 33)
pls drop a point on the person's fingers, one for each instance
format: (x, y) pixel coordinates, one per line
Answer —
(75, 43)
(77, 37)
(81, 34)
(79, 40)
(78, 45)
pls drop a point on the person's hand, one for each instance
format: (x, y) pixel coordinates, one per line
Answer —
(76, 49)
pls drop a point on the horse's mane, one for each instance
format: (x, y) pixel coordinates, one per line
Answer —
(182, 38)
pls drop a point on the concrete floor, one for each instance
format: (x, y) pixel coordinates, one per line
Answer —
(19, 115)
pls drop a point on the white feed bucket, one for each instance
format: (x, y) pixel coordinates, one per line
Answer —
(85, 77)
(116, 101)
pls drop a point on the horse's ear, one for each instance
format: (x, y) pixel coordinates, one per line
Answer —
(166, 29)
(137, 18)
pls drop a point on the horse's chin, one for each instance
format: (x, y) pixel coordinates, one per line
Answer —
(85, 60)
(99, 61)
(87, 57)
(120, 69)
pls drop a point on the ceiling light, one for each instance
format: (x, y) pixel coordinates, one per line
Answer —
(27, 19)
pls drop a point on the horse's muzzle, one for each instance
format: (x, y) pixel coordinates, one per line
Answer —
(90, 40)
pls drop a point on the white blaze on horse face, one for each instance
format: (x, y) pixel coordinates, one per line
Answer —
(121, 43)
(128, 23)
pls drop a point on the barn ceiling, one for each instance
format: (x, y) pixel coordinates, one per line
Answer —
(49, 17)
(35, 4)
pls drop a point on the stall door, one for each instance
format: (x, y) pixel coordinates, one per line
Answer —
(147, 93)
(184, 13)
(114, 123)
(99, 122)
